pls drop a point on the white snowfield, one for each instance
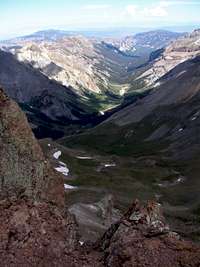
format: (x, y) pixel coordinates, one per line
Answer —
(197, 42)
(57, 154)
(109, 165)
(63, 169)
(79, 157)
(62, 163)
(69, 187)
(193, 118)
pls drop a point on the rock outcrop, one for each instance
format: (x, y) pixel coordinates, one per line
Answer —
(24, 171)
(95, 218)
(142, 238)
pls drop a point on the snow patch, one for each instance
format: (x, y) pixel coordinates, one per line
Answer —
(157, 84)
(109, 165)
(62, 163)
(79, 157)
(69, 187)
(57, 154)
(122, 91)
(197, 42)
(193, 118)
(64, 170)
(180, 130)
(179, 180)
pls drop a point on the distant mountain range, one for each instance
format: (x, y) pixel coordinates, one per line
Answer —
(175, 53)
(87, 65)
(91, 75)
(145, 42)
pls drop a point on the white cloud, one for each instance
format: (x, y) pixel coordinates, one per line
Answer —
(95, 7)
(158, 11)
(131, 9)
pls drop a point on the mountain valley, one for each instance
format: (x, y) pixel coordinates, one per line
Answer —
(118, 125)
(156, 140)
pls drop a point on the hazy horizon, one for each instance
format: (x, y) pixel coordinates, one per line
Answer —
(20, 17)
(103, 32)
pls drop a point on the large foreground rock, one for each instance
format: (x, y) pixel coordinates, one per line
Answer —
(23, 167)
(34, 228)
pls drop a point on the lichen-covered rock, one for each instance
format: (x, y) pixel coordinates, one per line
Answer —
(23, 167)
(142, 238)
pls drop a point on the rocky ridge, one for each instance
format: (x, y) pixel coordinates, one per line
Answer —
(46, 102)
(144, 42)
(179, 51)
(70, 61)
(142, 238)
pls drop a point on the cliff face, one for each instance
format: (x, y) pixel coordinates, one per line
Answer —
(23, 167)
(179, 51)
(34, 229)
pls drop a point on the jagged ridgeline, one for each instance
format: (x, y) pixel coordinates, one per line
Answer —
(63, 79)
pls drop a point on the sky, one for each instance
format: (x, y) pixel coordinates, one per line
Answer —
(19, 17)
